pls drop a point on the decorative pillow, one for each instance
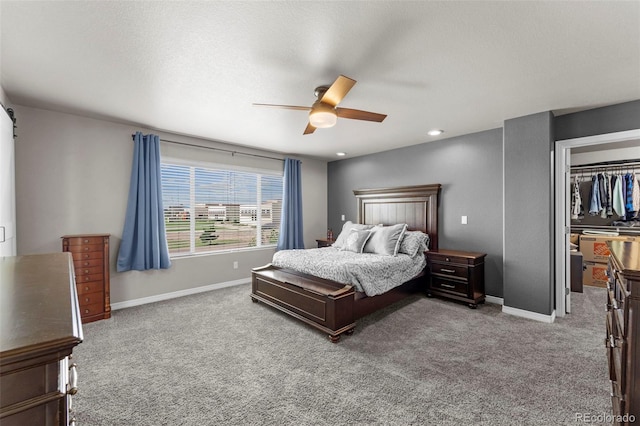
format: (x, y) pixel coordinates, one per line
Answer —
(385, 239)
(348, 225)
(414, 242)
(356, 240)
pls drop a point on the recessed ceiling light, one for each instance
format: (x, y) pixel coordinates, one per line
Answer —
(435, 132)
(341, 154)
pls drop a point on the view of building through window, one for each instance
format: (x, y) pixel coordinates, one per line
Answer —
(208, 210)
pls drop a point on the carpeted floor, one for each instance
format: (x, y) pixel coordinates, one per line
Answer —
(218, 359)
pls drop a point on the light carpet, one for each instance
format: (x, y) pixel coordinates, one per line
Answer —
(218, 359)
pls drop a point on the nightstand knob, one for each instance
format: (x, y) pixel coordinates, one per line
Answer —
(447, 259)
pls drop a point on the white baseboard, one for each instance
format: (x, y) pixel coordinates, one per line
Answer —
(529, 314)
(175, 294)
(493, 299)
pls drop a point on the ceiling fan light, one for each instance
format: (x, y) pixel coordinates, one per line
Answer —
(322, 119)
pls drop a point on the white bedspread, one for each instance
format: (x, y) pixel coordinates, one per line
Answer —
(371, 273)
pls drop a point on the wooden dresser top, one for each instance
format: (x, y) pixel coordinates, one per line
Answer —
(38, 305)
(627, 254)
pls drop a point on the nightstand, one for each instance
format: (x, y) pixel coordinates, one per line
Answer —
(325, 243)
(457, 275)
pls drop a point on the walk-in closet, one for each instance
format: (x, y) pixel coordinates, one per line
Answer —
(604, 206)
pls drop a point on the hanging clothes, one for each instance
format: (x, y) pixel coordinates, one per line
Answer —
(618, 196)
(595, 205)
(635, 195)
(577, 210)
(605, 195)
(628, 196)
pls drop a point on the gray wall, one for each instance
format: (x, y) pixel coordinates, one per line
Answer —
(72, 176)
(528, 216)
(597, 121)
(470, 171)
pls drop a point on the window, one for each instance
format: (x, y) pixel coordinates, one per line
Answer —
(210, 210)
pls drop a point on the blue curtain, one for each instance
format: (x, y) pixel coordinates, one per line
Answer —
(144, 243)
(291, 219)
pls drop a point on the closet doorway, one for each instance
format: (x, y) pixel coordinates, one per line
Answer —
(562, 169)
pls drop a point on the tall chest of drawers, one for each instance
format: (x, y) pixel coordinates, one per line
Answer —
(623, 324)
(91, 264)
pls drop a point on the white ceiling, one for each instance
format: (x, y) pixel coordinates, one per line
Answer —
(195, 68)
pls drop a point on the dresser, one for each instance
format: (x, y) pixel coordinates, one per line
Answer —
(40, 323)
(91, 263)
(457, 275)
(623, 323)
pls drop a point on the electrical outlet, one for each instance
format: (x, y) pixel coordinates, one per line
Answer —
(235, 264)
(464, 220)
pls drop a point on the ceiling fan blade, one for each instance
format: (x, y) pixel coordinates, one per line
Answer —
(338, 90)
(357, 114)
(301, 108)
(310, 129)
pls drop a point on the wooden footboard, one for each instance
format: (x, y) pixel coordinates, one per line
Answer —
(323, 304)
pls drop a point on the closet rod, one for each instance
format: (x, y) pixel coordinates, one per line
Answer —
(217, 149)
(607, 165)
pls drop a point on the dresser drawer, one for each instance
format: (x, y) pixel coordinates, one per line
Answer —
(87, 263)
(88, 278)
(91, 287)
(80, 241)
(93, 309)
(86, 248)
(452, 286)
(90, 298)
(449, 269)
(87, 270)
(86, 255)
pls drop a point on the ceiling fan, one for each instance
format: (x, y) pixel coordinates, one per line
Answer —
(325, 111)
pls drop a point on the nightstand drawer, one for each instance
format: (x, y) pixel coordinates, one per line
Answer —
(450, 270)
(443, 258)
(459, 287)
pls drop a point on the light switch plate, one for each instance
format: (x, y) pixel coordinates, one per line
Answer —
(464, 220)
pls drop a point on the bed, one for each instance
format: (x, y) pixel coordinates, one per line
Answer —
(333, 306)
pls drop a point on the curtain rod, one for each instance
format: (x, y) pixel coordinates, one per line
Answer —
(217, 149)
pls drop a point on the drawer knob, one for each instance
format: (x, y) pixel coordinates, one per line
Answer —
(447, 259)
(86, 271)
(86, 299)
(86, 311)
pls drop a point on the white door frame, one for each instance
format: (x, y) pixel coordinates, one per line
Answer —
(562, 153)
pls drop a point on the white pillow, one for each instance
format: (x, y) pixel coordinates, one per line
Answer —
(414, 242)
(385, 239)
(348, 225)
(356, 240)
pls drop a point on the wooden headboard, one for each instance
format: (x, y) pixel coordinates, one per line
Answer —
(417, 206)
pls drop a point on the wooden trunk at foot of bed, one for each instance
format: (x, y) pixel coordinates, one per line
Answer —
(323, 304)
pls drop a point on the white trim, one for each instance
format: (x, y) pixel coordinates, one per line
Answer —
(529, 314)
(493, 299)
(176, 294)
(562, 150)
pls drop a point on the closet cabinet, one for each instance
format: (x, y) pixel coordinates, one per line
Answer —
(91, 265)
(623, 323)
